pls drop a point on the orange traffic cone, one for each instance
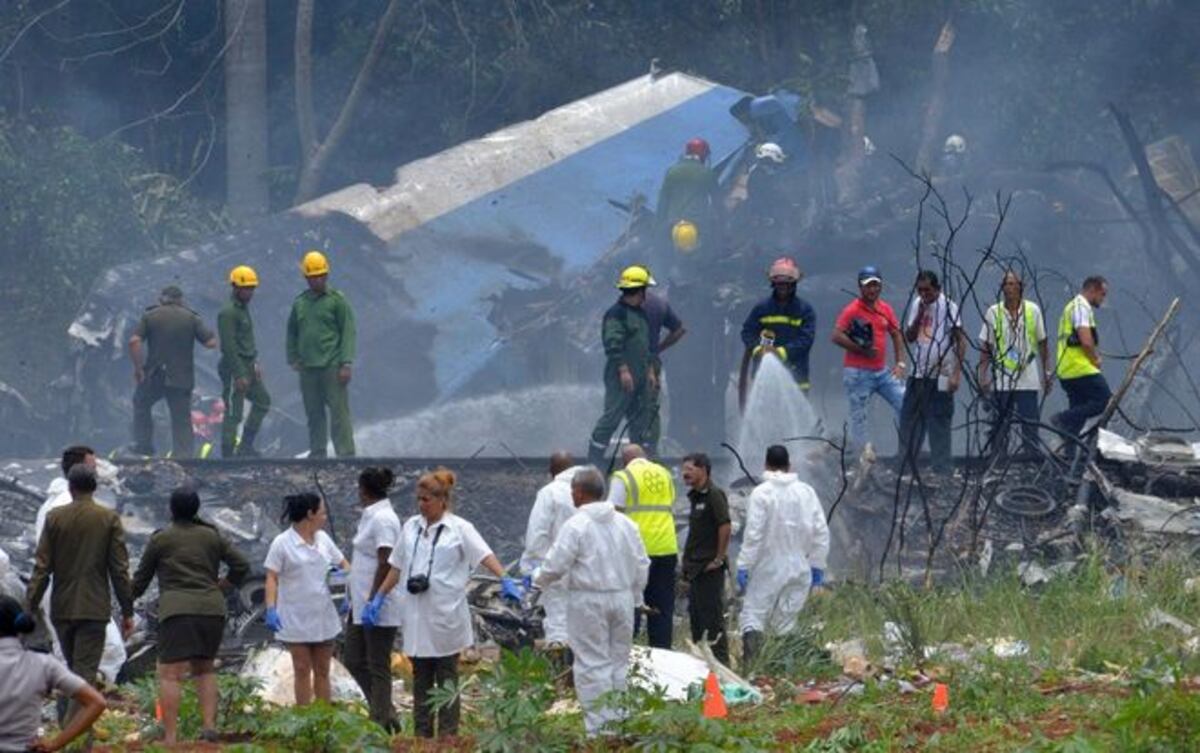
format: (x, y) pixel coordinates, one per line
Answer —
(158, 714)
(941, 698)
(714, 701)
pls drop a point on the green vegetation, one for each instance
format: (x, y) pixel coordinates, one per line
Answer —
(1098, 675)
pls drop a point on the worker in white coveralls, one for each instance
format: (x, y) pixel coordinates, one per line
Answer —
(58, 495)
(551, 508)
(783, 554)
(600, 554)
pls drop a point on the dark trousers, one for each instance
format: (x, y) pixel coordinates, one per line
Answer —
(82, 643)
(925, 410)
(368, 656)
(1086, 397)
(659, 597)
(706, 611)
(428, 673)
(1014, 407)
(639, 409)
(179, 403)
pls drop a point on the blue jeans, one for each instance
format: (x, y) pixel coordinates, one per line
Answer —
(860, 384)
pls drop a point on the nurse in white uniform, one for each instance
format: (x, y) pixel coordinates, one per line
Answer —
(300, 607)
(434, 559)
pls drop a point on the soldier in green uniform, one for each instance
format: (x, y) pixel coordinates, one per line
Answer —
(241, 376)
(320, 346)
(167, 370)
(629, 382)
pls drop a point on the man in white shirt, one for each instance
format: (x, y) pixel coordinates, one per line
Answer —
(551, 509)
(933, 329)
(59, 495)
(1014, 364)
(600, 554)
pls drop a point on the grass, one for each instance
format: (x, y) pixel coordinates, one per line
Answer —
(1096, 677)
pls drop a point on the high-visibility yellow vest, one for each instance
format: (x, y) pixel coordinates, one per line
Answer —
(1072, 360)
(649, 499)
(1006, 350)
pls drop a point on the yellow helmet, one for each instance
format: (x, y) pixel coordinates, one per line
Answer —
(315, 264)
(243, 277)
(636, 276)
(685, 235)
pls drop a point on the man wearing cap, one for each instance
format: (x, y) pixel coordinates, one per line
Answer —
(241, 376)
(628, 376)
(162, 351)
(862, 330)
(783, 324)
(320, 347)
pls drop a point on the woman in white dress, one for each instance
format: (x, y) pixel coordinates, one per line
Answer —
(300, 609)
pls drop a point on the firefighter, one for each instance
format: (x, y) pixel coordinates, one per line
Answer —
(241, 376)
(167, 371)
(628, 376)
(783, 324)
(320, 347)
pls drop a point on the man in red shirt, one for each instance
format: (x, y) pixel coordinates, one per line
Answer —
(862, 330)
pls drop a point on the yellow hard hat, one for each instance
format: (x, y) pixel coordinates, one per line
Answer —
(685, 235)
(243, 277)
(315, 264)
(634, 277)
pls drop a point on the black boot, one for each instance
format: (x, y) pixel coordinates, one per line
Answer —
(751, 643)
(246, 446)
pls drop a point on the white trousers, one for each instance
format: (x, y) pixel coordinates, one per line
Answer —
(600, 634)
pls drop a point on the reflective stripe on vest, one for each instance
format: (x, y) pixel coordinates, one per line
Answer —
(780, 319)
(1072, 360)
(1012, 365)
(649, 503)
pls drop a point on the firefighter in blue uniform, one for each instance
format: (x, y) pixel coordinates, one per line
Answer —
(783, 324)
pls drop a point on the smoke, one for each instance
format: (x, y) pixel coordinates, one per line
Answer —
(530, 422)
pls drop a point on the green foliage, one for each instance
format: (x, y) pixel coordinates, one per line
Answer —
(1158, 721)
(650, 723)
(852, 737)
(239, 708)
(796, 654)
(515, 694)
(323, 728)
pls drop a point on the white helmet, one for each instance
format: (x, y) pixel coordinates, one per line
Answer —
(771, 151)
(868, 146)
(955, 144)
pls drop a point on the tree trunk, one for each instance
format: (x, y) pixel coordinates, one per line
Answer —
(316, 154)
(246, 191)
(932, 125)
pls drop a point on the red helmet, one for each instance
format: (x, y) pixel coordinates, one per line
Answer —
(699, 148)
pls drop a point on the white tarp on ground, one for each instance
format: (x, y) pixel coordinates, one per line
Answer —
(272, 666)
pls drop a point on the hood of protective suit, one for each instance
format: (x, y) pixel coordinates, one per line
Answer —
(601, 512)
(568, 475)
(780, 478)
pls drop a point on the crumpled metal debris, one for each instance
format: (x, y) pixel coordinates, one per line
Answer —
(1154, 514)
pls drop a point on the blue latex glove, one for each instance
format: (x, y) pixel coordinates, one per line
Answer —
(527, 582)
(370, 613)
(274, 624)
(743, 577)
(343, 607)
(818, 576)
(511, 590)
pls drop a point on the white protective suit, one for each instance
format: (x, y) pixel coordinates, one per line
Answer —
(551, 509)
(785, 536)
(114, 656)
(600, 554)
